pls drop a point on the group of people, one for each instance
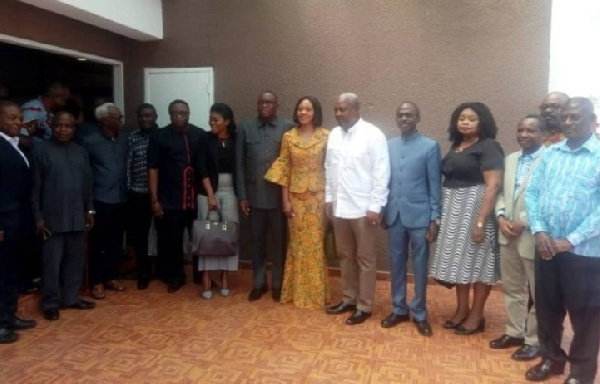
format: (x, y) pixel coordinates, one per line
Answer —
(532, 217)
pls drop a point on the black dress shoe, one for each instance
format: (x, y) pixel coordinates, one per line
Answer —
(340, 308)
(51, 314)
(545, 369)
(82, 305)
(448, 324)
(142, 284)
(460, 330)
(8, 336)
(423, 327)
(526, 352)
(257, 293)
(358, 317)
(18, 324)
(276, 295)
(393, 319)
(174, 286)
(506, 341)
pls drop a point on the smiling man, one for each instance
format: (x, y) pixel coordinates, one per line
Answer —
(63, 210)
(517, 246)
(412, 214)
(563, 206)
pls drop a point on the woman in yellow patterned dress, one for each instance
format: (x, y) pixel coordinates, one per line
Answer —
(299, 170)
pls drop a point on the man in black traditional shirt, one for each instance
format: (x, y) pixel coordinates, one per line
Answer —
(172, 186)
(63, 210)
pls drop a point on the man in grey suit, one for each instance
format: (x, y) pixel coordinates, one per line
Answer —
(517, 245)
(412, 214)
(258, 144)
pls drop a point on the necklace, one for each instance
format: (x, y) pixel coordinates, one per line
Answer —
(223, 141)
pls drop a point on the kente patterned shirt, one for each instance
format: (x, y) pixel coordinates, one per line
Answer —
(137, 160)
(563, 197)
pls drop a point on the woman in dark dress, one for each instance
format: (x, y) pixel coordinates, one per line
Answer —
(467, 253)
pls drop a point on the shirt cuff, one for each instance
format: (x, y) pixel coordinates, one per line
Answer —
(575, 239)
(375, 208)
(537, 227)
(500, 212)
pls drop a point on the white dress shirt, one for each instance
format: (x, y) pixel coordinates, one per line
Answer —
(14, 141)
(357, 170)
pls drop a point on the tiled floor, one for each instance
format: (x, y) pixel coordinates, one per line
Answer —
(154, 337)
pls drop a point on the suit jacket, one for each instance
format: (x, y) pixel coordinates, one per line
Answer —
(208, 161)
(513, 204)
(16, 218)
(257, 148)
(415, 182)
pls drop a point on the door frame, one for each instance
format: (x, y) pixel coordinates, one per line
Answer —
(118, 86)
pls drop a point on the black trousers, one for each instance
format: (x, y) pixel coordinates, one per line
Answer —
(30, 260)
(140, 220)
(272, 221)
(170, 229)
(62, 269)
(106, 242)
(569, 283)
(9, 290)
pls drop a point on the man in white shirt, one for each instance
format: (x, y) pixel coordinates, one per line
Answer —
(358, 171)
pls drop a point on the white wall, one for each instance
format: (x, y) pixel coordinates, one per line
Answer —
(575, 48)
(136, 19)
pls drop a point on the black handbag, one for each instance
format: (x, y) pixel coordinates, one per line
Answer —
(214, 238)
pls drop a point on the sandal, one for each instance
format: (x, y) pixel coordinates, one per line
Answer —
(115, 285)
(98, 292)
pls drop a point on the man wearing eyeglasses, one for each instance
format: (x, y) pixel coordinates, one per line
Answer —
(172, 185)
(107, 149)
(550, 111)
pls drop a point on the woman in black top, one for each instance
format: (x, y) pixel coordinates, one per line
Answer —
(467, 251)
(218, 189)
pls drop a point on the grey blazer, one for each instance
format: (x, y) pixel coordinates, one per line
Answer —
(257, 146)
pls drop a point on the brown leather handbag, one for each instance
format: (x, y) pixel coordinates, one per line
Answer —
(214, 238)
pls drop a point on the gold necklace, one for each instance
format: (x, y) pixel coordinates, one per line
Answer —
(460, 149)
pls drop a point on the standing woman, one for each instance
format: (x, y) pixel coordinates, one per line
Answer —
(216, 166)
(467, 253)
(300, 171)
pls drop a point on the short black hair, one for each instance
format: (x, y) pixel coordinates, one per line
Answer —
(57, 116)
(541, 121)
(317, 119)
(146, 106)
(227, 113)
(487, 123)
(414, 105)
(584, 102)
(267, 92)
(7, 103)
(178, 101)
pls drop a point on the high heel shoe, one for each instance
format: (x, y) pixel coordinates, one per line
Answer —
(460, 330)
(450, 325)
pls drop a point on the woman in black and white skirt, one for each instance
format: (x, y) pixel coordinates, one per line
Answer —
(467, 253)
(216, 169)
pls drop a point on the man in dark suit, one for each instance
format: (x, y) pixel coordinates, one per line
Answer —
(16, 219)
(258, 144)
(412, 214)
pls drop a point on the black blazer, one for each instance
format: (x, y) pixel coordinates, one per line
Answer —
(16, 217)
(208, 161)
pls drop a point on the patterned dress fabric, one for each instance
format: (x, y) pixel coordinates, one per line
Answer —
(458, 259)
(300, 168)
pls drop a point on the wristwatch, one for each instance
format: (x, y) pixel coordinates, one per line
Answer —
(92, 213)
(438, 221)
(479, 224)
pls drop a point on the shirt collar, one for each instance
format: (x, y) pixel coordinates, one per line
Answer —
(272, 122)
(533, 155)
(591, 145)
(11, 140)
(353, 128)
(413, 136)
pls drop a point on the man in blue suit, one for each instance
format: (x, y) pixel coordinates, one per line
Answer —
(412, 214)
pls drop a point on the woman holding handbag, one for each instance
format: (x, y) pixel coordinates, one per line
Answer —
(216, 167)
(300, 171)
